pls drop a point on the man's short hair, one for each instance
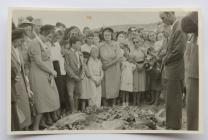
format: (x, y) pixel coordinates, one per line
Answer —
(168, 13)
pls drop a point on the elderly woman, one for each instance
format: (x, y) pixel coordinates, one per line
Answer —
(19, 85)
(110, 56)
(42, 75)
(139, 79)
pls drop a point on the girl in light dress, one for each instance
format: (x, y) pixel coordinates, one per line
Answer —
(127, 69)
(96, 72)
(85, 86)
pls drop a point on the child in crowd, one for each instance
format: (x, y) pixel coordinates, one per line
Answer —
(58, 64)
(96, 72)
(89, 40)
(96, 39)
(127, 69)
(74, 70)
(85, 86)
(155, 75)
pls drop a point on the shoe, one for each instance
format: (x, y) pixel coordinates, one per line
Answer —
(49, 122)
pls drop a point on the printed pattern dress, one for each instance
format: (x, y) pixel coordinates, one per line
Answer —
(127, 69)
(111, 81)
(85, 86)
(96, 72)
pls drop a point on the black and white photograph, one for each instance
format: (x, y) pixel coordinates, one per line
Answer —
(104, 71)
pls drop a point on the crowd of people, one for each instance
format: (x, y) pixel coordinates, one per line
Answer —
(58, 70)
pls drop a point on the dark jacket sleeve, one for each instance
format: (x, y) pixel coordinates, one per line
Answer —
(67, 66)
(178, 43)
(13, 88)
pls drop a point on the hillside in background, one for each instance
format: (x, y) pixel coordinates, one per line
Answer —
(151, 26)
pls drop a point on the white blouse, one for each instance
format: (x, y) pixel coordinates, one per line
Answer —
(56, 55)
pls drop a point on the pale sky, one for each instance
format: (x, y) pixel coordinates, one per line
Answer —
(92, 19)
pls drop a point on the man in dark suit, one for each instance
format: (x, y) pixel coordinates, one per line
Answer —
(73, 67)
(173, 63)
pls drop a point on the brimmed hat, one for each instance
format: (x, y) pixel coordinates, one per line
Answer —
(25, 22)
(17, 34)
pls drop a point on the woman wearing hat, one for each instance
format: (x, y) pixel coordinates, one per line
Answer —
(110, 54)
(190, 25)
(21, 114)
(27, 26)
(42, 75)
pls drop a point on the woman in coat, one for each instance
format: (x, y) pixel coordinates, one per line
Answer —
(42, 75)
(20, 86)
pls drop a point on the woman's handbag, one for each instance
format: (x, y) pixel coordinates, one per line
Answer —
(32, 107)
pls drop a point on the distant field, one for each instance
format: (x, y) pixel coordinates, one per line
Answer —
(125, 27)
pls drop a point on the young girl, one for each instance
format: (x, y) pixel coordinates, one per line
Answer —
(127, 69)
(85, 86)
(96, 72)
